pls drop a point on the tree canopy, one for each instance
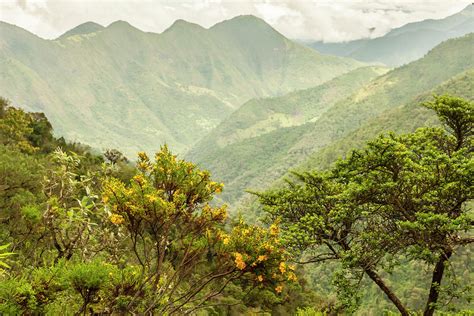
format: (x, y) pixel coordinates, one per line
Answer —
(402, 196)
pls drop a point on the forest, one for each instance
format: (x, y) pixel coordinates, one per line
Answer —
(88, 233)
(307, 158)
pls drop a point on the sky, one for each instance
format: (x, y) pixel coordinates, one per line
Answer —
(326, 20)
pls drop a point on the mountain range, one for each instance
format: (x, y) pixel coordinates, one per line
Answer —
(404, 44)
(244, 159)
(117, 86)
(238, 98)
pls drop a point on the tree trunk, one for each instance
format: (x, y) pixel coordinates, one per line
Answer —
(436, 282)
(395, 300)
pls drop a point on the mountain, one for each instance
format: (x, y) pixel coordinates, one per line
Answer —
(117, 86)
(83, 29)
(263, 115)
(403, 119)
(255, 137)
(254, 163)
(403, 44)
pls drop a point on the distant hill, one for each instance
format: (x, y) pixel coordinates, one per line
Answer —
(403, 44)
(117, 86)
(255, 162)
(403, 119)
(263, 115)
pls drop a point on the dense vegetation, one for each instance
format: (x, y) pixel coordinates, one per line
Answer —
(87, 234)
(84, 234)
(401, 199)
(348, 187)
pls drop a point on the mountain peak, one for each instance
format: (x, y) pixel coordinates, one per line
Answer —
(182, 25)
(82, 29)
(248, 27)
(120, 24)
(250, 20)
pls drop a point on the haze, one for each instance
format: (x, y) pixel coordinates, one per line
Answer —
(330, 21)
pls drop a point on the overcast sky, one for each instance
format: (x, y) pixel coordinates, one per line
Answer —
(329, 20)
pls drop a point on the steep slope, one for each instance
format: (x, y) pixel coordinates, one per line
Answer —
(254, 163)
(406, 43)
(121, 87)
(403, 119)
(263, 115)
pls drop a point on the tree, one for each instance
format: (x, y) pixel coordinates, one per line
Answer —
(15, 129)
(114, 156)
(72, 212)
(400, 196)
(178, 239)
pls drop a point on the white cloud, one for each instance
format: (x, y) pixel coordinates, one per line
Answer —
(327, 20)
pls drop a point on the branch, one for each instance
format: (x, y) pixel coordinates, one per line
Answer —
(319, 258)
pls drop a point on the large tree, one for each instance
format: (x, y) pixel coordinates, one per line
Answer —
(401, 195)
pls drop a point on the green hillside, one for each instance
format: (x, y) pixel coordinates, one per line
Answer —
(263, 115)
(254, 163)
(403, 44)
(403, 119)
(120, 87)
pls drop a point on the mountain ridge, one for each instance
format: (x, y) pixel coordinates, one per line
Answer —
(137, 90)
(252, 163)
(403, 44)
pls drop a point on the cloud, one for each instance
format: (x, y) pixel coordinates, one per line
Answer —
(337, 20)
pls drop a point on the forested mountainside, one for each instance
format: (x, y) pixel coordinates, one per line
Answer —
(119, 87)
(231, 171)
(263, 115)
(254, 163)
(86, 231)
(404, 44)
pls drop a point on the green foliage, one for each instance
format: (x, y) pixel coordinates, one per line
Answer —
(457, 114)
(87, 279)
(85, 241)
(4, 255)
(17, 297)
(401, 196)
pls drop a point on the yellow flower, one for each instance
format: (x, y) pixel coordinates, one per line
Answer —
(226, 240)
(151, 198)
(262, 258)
(139, 179)
(143, 165)
(292, 277)
(117, 219)
(260, 278)
(239, 261)
(105, 198)
(279, 288)
(143, 156)
(274, 230)
(282, 267)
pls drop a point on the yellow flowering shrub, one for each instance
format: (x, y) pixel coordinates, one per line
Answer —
(117, 219)
(176, 232)
(258, 252)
